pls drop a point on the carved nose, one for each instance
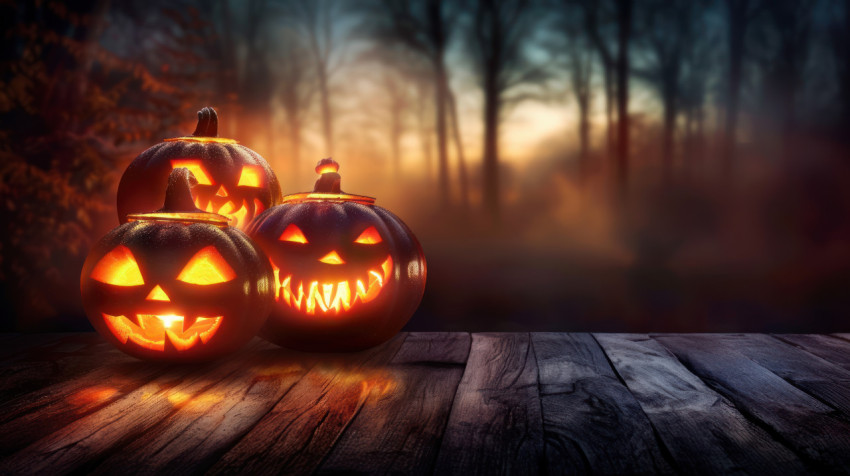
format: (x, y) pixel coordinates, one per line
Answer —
(157, 294)
(221, 192)
(331, 258)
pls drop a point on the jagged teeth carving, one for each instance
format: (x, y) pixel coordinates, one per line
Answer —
(228, 209)
(151, 330)
(315, 297)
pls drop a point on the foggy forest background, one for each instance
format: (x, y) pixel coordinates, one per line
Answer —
(611, 165)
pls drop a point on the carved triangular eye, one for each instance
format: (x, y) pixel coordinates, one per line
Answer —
(207, 267)
(370, 236)
(195, 167)
(252, 176)
(294, 234)
(118, 268)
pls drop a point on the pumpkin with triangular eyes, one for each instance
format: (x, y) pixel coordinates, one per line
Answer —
(233, 180)
(347, 274)
(177, 284)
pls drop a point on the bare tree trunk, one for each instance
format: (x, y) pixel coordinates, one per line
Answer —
(440, 125)
(841, 45)
(440, 93)
(327, 122)
(227, 73)
(624, 27)
(583, 133)
(492, 104)
(609, 106)
(294, 123)
(737, 20)
(395, 137)
(670, 113)
(425, 133)
(461, 156)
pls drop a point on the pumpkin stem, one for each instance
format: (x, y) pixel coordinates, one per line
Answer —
(329, 179)
(178, 195)
(207, 123)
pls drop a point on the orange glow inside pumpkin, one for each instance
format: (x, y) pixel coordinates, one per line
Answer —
(152, 330)
(252, 176)
(195, 167)
(370, 236)
(157, 294)
(294, 234)
(119, 268)
(206, 267)
(332, 258)
(326, 297)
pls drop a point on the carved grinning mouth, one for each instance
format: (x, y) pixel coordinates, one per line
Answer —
(152, 329)
(238, 216)
(316, 296)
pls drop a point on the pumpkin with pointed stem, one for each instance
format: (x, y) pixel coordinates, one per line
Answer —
(233, 180)
(347, 274)
(177, 284)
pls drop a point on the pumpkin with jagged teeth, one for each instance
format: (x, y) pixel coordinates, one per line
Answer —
(233, 180)
(177, 284)
(347, 274)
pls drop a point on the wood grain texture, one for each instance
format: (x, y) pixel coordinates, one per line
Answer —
(296, 435)
(205, 426)
(399, 430)
(50, 359)
(32, 415)
(445, 403)
(82, 442)
(591, 423)
(817, 377)
(434, 348)
(495, 425)
(703, 431)
(829, 348)
(813, 429)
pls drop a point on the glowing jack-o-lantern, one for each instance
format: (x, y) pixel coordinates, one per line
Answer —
(347, 274)
(177, 284)
(233, 180)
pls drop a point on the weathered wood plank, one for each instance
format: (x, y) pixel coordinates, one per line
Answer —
(434, 347)
(830, 348)
(495, 425)
(59, 359)
(817, 377)
(300, 430)
(399, 430)
(79, 444)
(813, 429)
(591, 422)
(193, 437)
(702, 431)
(44, 411)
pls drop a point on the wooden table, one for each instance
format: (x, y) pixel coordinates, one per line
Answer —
(450, 403)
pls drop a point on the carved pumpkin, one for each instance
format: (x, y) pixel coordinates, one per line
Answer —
(347, 274)
(177, 284)
(233, 180)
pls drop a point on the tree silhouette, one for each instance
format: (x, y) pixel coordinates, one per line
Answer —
(295, 89)
(500, 30)
(739, 16)
(425, 27)
(668, 30)
(839, 41)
